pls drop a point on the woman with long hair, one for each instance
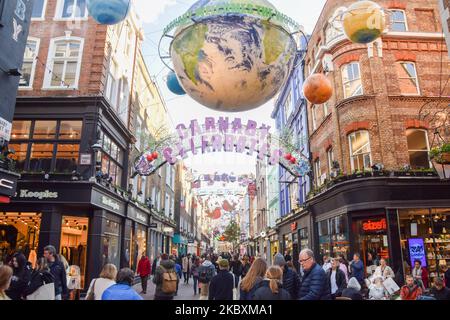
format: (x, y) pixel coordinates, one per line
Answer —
(40, 277)
(20, 279)
(271, 288)
(253, 279)
(6, 273)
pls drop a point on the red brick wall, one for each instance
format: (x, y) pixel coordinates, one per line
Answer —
(92, 73)
(382, 110)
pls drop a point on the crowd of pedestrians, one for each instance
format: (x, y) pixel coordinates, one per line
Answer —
(226, 277)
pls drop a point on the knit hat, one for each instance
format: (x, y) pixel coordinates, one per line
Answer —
(279, 260)
(223, 263)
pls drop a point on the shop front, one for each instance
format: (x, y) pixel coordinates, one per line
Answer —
(399, 220)
(294, 235)
(86, 229)
(138, 218)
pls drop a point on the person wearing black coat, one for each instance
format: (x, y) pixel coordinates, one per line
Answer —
(314, 283)
(221, 286)
(271, 288)
(58, 271)
(336, 279)
(236, 268)
(21, 277)
(291, 279)
(39, 277)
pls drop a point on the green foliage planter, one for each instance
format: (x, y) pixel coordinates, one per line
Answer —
(441, 155)
(383, 173)
(359, 175)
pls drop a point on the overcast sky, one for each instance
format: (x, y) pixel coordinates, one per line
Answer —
(158, 14)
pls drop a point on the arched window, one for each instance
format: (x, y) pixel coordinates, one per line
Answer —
(64, 61)
(351, 80)
(360, 153)
(418, 148)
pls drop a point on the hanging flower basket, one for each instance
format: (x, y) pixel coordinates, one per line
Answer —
(440, 158)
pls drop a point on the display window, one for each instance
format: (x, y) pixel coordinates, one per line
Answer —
(111, 244)
(74, 238)
(287, 244)
(19, 232)
(371, 241)
(303, 235)
(424, 237)
(340, 244)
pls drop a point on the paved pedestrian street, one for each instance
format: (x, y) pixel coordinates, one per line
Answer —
(185, 291)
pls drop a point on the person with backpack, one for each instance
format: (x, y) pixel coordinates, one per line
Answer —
(42, 283)
(236, 268)
(221, 286)
(165, 279)
(206, 272)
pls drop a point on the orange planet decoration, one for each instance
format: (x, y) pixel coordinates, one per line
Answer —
(317, 88)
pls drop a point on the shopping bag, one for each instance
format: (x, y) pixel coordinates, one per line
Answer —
(45, 292)
(390, 285)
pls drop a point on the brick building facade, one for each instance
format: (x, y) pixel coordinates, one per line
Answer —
(377, 116)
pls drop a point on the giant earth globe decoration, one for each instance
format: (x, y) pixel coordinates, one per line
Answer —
(174, 85)
(108, 12)
(232, 55)
(364, 22)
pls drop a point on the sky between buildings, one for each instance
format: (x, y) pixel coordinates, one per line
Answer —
(156, 15)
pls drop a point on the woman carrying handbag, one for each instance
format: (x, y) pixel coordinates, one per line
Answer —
(98, 286)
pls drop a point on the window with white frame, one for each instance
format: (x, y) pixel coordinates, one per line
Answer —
(38, 9)
(398, 20)
(314, 117)
(407, 77)
(317, 172)
(330, 158)
(123, 99)
(29, 63)
(64, 61)
(325, 109)
(351, 79)
(71, 9)
(360, 154)
(418, 148)
(112, 83)
(288, 106)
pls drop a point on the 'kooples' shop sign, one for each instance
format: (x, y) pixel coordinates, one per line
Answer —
(27, 194)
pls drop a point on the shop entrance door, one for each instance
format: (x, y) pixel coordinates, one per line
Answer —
(371, 241)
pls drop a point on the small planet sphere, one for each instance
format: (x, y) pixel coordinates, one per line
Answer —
(108, 12)
(174, 85)
(317, 88)
(364, 22)
(232, 62)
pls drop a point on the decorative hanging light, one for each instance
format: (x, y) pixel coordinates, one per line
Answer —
(108, 12)
(317, 88)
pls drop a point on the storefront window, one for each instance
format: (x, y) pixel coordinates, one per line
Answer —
(19, 232)
(111, 246)
(74, 236)
(55, 145)
(304, 238)
(339, 236)
(424, 237)
(324, 238)
(371, 241)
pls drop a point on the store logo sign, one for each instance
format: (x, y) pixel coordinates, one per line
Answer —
(141, 217)
(417, 251)
(38, 195)
(110, 203)
(5, 183)
(374, 225)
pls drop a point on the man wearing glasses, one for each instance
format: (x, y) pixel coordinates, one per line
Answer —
(314, 282)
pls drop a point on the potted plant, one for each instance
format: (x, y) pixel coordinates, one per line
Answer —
(440, 158)
(361, 174)
(425, 173)
(405, 171)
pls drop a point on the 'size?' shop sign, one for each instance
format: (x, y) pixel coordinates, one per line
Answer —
(417, 251)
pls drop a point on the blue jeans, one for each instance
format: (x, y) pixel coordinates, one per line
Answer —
(195, 284)
(425, 298)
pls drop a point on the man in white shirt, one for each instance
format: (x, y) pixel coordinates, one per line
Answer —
(326, 263)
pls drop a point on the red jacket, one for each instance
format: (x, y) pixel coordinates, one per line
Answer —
(406, 294)
(144, 267)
